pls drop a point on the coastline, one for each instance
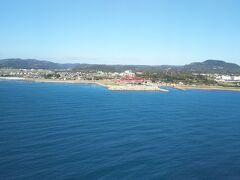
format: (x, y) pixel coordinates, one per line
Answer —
(11, 78)
(204, 87)
(110, 85)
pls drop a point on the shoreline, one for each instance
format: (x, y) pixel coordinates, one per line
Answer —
(104, 83)
(11, 78)
(110, 85)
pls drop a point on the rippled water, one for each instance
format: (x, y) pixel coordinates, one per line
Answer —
(71, 131)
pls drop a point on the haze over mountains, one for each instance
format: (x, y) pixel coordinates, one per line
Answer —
(208, 66)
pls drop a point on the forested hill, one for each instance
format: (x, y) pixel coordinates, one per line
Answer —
(212, 66)
(208, 66)
(32, 64)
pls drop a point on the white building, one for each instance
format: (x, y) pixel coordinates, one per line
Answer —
(226, 78)
(127, 73)
(236, 78)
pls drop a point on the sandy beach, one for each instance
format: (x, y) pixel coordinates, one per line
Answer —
(204, 87)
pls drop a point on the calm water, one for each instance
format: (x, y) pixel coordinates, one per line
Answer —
(71, 131)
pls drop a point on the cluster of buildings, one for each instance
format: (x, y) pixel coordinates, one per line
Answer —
(124, 77)
(24, 73)
(222, 77)
(227, 78)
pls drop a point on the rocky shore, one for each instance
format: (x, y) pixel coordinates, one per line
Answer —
(205, 87)
(135, 88)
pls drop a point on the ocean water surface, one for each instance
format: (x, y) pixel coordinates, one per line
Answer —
(73, 131)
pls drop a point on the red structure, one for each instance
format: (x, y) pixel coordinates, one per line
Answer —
(132, 80)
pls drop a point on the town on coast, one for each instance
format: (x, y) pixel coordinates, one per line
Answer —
(115, 81)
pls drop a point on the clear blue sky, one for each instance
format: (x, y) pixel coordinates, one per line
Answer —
(121, 31)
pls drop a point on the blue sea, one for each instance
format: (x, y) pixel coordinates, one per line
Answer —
(76, 131)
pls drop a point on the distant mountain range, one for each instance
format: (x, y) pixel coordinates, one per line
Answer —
(32, 64)
(208, 66)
